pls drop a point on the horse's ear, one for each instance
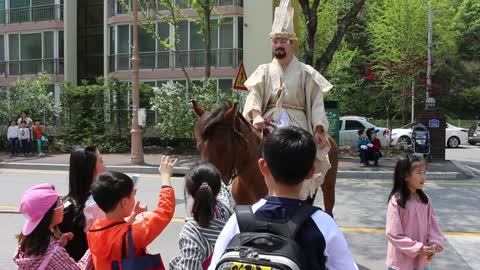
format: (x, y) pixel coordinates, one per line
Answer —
(229, 116)
(197, 108)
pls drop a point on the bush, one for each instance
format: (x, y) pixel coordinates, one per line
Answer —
(173, 103)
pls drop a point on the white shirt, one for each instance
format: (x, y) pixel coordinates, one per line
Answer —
(336, 248)
(24, 133)
(12, 132)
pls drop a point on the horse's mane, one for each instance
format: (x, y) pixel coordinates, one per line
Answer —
(215, 118)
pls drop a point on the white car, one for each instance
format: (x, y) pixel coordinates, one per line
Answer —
(349, 126)
(454, 136)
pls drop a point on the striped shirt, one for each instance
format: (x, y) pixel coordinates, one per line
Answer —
(197, 243)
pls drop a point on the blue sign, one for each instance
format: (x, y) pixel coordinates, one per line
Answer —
(433, 123)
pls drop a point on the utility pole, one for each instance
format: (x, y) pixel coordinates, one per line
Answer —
(429, 59)
(136, 154)
(413, 102)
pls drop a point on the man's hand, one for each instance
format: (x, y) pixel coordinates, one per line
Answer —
(259, 122)
(320, 138)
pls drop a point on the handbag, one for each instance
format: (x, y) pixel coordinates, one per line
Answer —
(131, 262)
(44, 138)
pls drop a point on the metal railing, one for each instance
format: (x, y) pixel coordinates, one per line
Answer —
(32, 14)
(116, 8)
(34, 66)
(171, 60)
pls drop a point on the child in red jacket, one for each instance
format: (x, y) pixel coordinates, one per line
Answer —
(374, 151)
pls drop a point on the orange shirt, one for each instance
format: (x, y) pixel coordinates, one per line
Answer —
(106, 244)
(37, 131)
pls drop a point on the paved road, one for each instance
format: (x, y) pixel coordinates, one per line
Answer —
(360, 211)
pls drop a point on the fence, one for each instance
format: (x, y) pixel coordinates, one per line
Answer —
(32, 14)
(172, 60)
(116, 8)
(32, 66)
(398, 123)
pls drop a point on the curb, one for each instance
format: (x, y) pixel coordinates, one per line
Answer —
(180, 171)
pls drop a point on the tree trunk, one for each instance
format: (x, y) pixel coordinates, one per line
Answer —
(311, 17)
(342, 26)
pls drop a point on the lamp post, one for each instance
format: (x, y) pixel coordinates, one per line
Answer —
(136, 153)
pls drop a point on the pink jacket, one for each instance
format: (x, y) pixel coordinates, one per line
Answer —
(60, 260)
(408, 230)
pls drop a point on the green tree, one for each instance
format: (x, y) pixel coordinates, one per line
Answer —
(469, 16)
(30, 95)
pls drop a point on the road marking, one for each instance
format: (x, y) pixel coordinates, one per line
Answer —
(14, 210)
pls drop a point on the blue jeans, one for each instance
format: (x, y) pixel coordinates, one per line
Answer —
(14, 145)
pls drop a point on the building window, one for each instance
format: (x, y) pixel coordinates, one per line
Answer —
(35, 52)
(3, 64)
(31, 11)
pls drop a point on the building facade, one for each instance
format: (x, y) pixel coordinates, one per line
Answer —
(83, 39)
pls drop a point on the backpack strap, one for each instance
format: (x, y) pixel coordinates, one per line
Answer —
(249, 222)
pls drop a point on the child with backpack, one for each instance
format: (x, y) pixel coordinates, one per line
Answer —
(281, 223)
(209, 215)
(114, 193)
(413, 233)
(41, 244)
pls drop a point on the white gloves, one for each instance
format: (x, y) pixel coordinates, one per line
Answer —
(370, 145)
(364, 147)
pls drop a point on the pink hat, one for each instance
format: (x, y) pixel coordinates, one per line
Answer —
(36, 201)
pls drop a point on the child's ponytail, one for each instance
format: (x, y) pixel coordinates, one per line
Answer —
(203, 184)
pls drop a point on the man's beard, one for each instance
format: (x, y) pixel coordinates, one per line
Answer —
(280, 53)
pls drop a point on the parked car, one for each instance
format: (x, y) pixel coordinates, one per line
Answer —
(349, 126)
(474, 134)
(454, 136)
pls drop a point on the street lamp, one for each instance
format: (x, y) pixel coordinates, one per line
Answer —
(136, 153)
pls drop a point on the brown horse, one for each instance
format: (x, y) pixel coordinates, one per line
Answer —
(228, 141)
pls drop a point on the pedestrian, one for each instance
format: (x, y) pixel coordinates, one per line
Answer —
(12, 136)
(86, 163)
(114, 193)
(288, 160)
(413, 233)
(363, 143)
(208, 216)
(39, 136)
(41, 244)
(29, 124)
(24, 137)
(374, 153)
(24, 117)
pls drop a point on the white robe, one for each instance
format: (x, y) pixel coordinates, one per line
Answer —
(292, 97)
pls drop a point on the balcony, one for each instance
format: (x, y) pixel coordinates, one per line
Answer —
(116, 8)
(32, 14)
(52, 66)
(169, 60)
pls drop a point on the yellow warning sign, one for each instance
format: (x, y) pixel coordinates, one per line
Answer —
(240, 78)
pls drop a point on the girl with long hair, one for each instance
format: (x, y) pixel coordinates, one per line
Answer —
(413, 233)
(208, 216)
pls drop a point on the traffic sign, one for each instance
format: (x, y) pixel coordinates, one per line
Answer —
(240, 79)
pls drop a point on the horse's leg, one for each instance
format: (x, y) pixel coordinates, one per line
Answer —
(328, 186)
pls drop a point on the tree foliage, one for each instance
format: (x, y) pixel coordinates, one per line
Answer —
(32, 96)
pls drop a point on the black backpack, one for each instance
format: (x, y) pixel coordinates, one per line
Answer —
(265, 244)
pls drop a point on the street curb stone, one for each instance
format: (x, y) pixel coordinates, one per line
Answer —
(180, 171)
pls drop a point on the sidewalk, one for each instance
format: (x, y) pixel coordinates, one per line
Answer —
(348, 168)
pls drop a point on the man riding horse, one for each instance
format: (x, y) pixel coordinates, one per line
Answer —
(288, 92)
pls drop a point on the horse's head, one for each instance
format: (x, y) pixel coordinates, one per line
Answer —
(224, 138)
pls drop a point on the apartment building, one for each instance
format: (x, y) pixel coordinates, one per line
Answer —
(81, 39)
